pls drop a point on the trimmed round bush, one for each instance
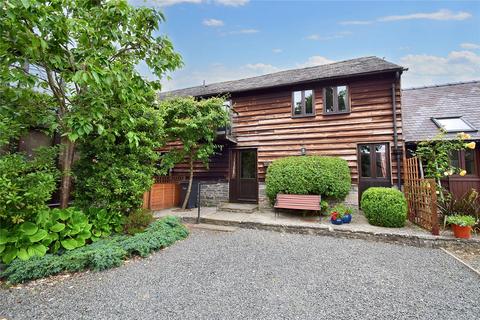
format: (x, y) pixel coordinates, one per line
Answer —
(326, 176)
(385, 207)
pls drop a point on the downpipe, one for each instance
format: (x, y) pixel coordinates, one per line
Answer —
(395, 131)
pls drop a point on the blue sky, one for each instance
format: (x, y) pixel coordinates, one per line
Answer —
(439, 41)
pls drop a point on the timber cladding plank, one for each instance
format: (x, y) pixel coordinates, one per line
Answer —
(264, 122)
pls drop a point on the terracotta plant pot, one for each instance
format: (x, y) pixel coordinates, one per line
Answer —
(461, 232)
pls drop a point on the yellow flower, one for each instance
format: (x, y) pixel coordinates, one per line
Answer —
(470, 145)
(463, 172)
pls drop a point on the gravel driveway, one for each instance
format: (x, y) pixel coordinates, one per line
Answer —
(251, 274)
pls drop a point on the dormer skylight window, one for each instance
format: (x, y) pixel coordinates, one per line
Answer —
(454, 124)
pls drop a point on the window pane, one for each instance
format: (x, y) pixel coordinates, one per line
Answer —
(342, 99)
(247, 164)
(365, 161)
(297, 102)
(308, 101)
(380, 161)
(454, 161)
(453, 124)
(470, 161)
(328, 100)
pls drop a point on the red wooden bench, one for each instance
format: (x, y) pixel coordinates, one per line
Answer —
(297, 202)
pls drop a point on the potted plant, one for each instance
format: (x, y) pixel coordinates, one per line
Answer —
(336, 217)
(461, 225)
(342, 212)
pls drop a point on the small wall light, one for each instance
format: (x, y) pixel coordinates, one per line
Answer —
(266, 163)
(303, 150)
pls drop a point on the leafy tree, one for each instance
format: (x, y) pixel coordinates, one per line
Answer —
(117, 165)
(70, 49)
(194, 123)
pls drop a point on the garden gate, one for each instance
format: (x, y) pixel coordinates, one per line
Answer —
(421, 197)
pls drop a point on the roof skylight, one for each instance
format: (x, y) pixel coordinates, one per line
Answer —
(453, 124)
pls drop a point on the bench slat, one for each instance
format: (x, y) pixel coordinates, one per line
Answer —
(298, 201)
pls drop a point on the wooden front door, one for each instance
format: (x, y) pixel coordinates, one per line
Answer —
(243, 176)
(373, 166)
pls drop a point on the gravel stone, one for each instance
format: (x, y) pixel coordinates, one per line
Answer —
(252, 274)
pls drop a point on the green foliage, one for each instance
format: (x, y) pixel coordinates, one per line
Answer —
(26, 185)
(462, 220)
(385, 207)
(137, 221)
(22, 109)
(52, 230)
(436, 155)
(324, 206)
(104, 223)
(103, 254)
(468, 204)
(117, 165)
(83, 55)
(327, 176)
(341, 210)
(194, 123)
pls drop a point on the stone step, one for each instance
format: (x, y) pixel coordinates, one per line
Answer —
(238, 207)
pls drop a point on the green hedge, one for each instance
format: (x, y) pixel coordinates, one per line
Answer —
(385, 207)
(101, 255)
(327, 176)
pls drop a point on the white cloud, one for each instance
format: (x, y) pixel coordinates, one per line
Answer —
(356, 22)
(336, 35)
(218, 72)
(442, 14)
(232, 3)
(429, 69)
(213, 23)
(470, 46)
(277, 50)
(314, 61)
(241, 31)
(262, 68)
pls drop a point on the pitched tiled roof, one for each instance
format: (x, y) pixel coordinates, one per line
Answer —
(366, 65)
(419, 105)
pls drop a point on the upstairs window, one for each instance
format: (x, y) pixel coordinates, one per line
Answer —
(453, 124)
(303, 103)
(336, 100)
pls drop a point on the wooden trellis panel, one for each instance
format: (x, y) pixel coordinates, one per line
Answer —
(421, 197)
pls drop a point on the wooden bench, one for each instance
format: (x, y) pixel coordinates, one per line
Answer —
(297, 202)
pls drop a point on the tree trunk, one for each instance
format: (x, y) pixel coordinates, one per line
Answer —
(190, 182)
(66, 160)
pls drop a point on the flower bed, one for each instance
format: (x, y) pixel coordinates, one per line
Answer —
(103, 254)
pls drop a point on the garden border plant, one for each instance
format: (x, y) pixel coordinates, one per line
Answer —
(320, 175)
(103, 254)
(384, 207)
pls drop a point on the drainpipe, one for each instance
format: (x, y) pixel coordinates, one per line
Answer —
(395, 133)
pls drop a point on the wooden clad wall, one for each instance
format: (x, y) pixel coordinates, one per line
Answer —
(265, 122)
(217, 166)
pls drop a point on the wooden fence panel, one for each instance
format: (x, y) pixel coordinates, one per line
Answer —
(421, 195)
(165, 193)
